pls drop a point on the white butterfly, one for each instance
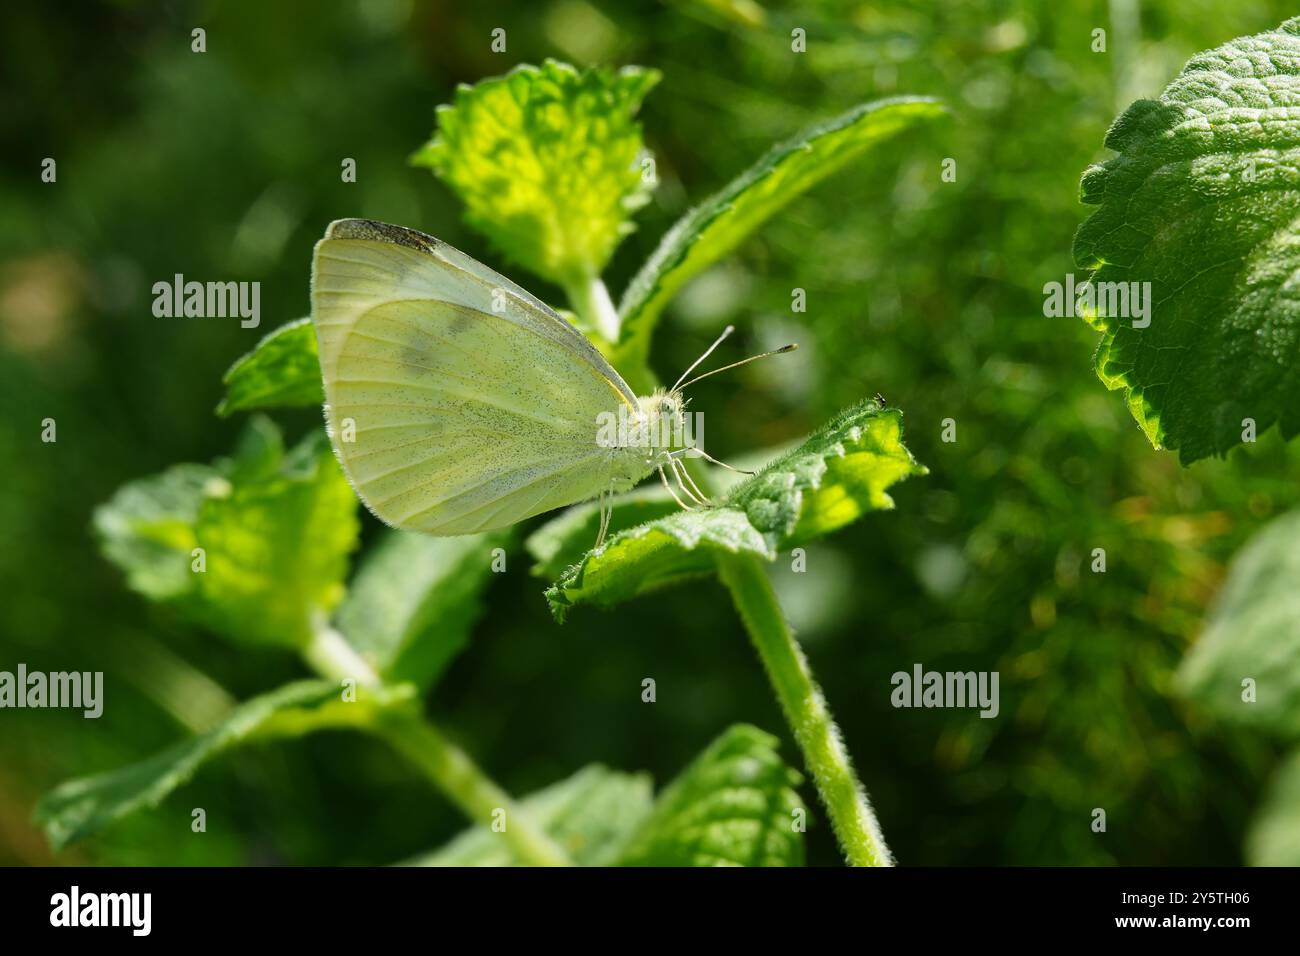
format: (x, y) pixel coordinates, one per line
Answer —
(458, 403)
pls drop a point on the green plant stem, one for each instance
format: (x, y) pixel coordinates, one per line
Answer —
(806, 711)
(330, 655)
(451, 769)
(590, 299)
(194, 699)
(448, 767)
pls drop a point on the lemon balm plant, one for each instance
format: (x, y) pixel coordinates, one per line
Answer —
(1201, 201)
(256, 547)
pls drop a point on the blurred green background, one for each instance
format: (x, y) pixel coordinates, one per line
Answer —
(226, 165)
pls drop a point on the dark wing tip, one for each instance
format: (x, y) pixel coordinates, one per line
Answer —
(381, 232)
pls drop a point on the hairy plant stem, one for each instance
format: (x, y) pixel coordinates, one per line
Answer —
(448, 767)
(590, 299)
(806, 712)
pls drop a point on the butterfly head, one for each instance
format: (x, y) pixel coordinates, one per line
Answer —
(670, 404)
(664, 423)
(660, 427)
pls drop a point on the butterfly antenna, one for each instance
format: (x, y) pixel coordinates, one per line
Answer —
(707, 352)
(753, 358)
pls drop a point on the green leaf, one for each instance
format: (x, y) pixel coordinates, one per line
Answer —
(563, 540)
(276, 543)
(653, 556)
(545, 160)
(1254, 632)
(275, 530)
(719, 224)
(591, 815)
(147, 529)
(281, 371)
(838, 474)
(258, 455)
(735, 805)
(1274, 835)
(414, 601)
(78, 808)
(1201, 203)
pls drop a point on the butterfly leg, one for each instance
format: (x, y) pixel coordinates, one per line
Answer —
(680, 470)
(664, 479)
(606, 510)
(707, 457)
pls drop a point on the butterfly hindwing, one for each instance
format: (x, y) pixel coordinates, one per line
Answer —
(456, 401)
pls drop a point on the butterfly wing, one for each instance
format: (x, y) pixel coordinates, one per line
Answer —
(456, 401)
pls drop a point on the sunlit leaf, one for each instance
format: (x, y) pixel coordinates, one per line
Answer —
(838, 474)
(1202, 203)
(254, 546)
(724, 220)
(545, 160)
(563, 540)
(281, 371)
(276, 547)
(147, 529)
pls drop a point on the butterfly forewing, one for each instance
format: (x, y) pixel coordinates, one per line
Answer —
(456, 401)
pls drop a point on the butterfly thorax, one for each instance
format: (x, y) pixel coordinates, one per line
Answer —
(646, 437)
